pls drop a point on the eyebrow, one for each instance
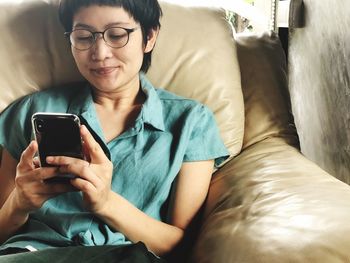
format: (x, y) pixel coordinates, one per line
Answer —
(82, 25)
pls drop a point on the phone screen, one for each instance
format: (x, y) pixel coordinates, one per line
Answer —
(57, 135)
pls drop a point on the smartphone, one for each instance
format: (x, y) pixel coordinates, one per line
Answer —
(57, 134)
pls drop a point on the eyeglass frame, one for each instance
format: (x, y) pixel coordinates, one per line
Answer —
(95, 33)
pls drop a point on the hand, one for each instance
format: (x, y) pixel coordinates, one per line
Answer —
(31, 192)
(94, 176)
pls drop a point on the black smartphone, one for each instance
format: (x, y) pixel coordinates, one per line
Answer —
(57, 134)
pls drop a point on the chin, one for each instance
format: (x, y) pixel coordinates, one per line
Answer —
(103, 83)
(105, 87)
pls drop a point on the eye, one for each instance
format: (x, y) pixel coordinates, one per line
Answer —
(83, 39)
(114, 37)
(82, 35)
(115, 34)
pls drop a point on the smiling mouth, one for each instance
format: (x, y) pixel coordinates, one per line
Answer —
(103, 71)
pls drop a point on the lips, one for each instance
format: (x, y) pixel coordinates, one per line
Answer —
(103, 70)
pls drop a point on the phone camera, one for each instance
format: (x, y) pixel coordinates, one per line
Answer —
(40, 125)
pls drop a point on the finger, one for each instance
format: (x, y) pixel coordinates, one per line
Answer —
(69, 165)
(86, 153)
(43, 173)
(36, 162)
(95, 151)
(58, 188)
(64, 160)
(26, 161)
(83, 185)
(83, 171)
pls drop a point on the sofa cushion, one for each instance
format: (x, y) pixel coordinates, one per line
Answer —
(195, 57)
(265, 88)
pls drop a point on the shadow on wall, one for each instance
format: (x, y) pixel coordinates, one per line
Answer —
(319, 57)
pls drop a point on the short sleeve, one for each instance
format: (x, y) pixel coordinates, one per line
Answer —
(15, 127)
(205, 142)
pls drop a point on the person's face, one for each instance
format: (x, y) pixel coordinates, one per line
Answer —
(110, 69)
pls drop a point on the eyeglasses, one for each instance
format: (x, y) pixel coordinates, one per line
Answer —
(115, 37)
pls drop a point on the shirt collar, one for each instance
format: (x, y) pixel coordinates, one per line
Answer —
(151, 113)
(82, 101)
(152, 109)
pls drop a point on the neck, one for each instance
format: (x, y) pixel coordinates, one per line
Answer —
(123, 98)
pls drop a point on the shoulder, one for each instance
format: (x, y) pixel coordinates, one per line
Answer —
(175, 110)
(15, 120)
(52, 99)
(184, 113)
(179, 103)
(165, 95)
(63, 93)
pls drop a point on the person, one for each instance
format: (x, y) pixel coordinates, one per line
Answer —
(151, 153)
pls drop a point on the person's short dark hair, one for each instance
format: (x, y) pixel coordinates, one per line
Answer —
(145, 12)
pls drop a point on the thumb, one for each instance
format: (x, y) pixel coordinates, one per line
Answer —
(26, 161)
(91, 147)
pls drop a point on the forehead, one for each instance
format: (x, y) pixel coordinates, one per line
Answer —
(96, 16)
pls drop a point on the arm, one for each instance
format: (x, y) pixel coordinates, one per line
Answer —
(123, 216)
(9, 220)
(191, 191)
(22, 190)
(7, 175)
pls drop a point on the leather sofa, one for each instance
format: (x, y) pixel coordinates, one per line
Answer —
(268, 203)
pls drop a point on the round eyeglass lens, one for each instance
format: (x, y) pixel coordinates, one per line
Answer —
(116, 37)
(82, 39)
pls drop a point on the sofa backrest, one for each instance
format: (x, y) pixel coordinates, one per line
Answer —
(264, 78)
(195, 56)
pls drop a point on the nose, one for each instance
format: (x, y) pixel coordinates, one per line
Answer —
(100, 49)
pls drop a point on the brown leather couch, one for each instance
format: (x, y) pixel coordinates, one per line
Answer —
(268, 203)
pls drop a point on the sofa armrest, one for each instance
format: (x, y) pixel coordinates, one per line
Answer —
(271, 204)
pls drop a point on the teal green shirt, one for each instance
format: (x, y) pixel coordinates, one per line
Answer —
(169, 130)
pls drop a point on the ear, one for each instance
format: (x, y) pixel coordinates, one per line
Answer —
(151, 40)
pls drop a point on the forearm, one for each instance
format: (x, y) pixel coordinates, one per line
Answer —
(10, 218)
(121, 215)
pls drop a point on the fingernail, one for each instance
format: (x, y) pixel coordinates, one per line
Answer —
(49, 159)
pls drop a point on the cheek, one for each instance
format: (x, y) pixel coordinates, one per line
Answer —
(79, 58)
(135, 54)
